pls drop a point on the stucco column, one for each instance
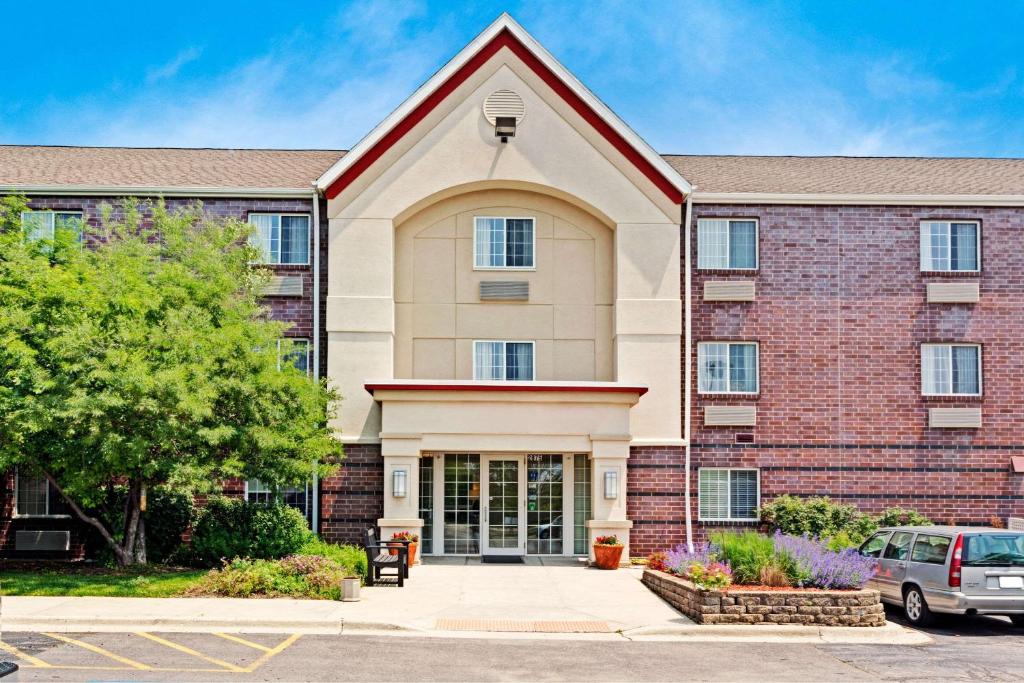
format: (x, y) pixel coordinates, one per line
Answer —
(608, 514)
(401, 513)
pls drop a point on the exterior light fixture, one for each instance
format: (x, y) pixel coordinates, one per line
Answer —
(611, 484)
(505, 127)
(399, 483)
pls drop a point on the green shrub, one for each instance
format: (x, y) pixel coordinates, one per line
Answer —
(168, 515)
(353, 558)
(747, 554)
(295, 576)
(902, 517)
(229, 527)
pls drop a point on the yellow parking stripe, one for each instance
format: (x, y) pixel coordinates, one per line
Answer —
(243, 641)
(266, 656)
(190, 651)
(34, 661)
(100, 651)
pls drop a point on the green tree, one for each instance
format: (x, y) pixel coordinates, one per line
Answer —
(147, 359)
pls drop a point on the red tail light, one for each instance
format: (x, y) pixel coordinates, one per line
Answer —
(956, 563)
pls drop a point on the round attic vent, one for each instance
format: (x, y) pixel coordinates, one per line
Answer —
(504, 103)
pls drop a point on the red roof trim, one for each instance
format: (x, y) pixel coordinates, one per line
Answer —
(511, 387)
(504, 39)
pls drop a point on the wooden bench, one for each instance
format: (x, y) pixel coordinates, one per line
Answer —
(378, 557)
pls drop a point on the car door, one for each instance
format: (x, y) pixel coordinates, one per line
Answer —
(928, 566)
(873, 547)
(892, 565)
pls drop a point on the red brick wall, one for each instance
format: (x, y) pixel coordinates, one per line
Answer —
(840, 315)
(352, 500)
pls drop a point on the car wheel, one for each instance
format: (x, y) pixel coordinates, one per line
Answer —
(1018, 620)
(915, 608)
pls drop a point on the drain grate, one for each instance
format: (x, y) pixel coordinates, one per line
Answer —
(514, 626)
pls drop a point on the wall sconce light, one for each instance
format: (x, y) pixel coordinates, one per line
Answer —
(505, 127)
(611, 484)
(399, 483)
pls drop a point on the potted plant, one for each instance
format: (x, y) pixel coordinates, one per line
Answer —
(414, 542)
(350, 588)
(607, 552)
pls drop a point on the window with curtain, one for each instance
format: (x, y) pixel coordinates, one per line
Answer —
(949, 247)
(503, 360)
(44, 225)
(727, 368)
(950, 369)
(295, 352)
(728, 495)
(503, 242)
(726, 244)
(281, 238)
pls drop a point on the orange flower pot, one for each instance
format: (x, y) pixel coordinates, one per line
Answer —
(607, 556)
(412, 551)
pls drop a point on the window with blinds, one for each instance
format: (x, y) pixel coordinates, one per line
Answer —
(503, 360)
(727, 367)
(950, 247)
(503, 243)
(281, 238)
(728, 495)
(951, 369)
(726, 243)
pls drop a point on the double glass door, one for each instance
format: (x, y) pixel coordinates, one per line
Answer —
(503, 504)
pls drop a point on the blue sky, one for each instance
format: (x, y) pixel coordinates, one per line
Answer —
(869, 77)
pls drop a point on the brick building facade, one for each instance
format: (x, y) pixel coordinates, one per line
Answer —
(833, 307)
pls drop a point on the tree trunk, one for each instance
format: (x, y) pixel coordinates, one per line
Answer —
(132, 549)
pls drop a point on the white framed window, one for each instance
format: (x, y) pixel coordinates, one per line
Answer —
(34, 497)
(282, 238)
(294, 351)
(727, 367)
(43, 225)
(298, 497)
(951, 369)
(950, 246)
(728, 495)
(727, 243)
(503, 243)
(503, 360)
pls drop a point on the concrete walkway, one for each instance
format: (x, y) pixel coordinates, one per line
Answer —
(451, 597)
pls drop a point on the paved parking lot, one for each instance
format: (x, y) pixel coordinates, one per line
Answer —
(982, 649)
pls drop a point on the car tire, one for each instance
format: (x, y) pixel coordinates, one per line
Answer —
(1018, 620)
(915, 608)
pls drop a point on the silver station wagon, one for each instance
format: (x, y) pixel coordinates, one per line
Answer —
(949, 570)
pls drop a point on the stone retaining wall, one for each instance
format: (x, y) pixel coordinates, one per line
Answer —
(825, 608)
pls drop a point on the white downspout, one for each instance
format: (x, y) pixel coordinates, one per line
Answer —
(688, 359)
(316, 339)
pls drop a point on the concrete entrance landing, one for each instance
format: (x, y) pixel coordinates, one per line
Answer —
(546, 594)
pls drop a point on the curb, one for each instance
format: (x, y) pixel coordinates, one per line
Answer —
(890, 634)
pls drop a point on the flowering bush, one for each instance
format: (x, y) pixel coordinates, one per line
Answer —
(711, 576)
(811, 564)
(298, 576)
(678, 560)
(657, 560)
(405, 536)
(607, 540)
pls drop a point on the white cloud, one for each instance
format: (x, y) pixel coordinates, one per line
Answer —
(171, 68)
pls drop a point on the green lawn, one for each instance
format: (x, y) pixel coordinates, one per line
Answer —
(151, 583)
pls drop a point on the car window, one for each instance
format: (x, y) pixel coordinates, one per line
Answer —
(930, 549)
(873, 546)
(1006, 549)
(899, 546)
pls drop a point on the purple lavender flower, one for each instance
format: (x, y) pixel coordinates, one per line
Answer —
(679, 559)
(816, 566)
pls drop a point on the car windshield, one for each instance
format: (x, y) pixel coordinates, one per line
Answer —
(994, 550)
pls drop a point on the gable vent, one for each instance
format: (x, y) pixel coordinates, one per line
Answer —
(504, 290)
(504, 103)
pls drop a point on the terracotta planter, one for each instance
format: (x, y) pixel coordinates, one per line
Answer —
(412, 551)
(607, 556)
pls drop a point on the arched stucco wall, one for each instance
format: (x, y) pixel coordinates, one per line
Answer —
(439, 311)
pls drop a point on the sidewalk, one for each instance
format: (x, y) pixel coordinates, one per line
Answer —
(455, 597)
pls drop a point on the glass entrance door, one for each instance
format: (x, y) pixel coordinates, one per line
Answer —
(502, 516)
